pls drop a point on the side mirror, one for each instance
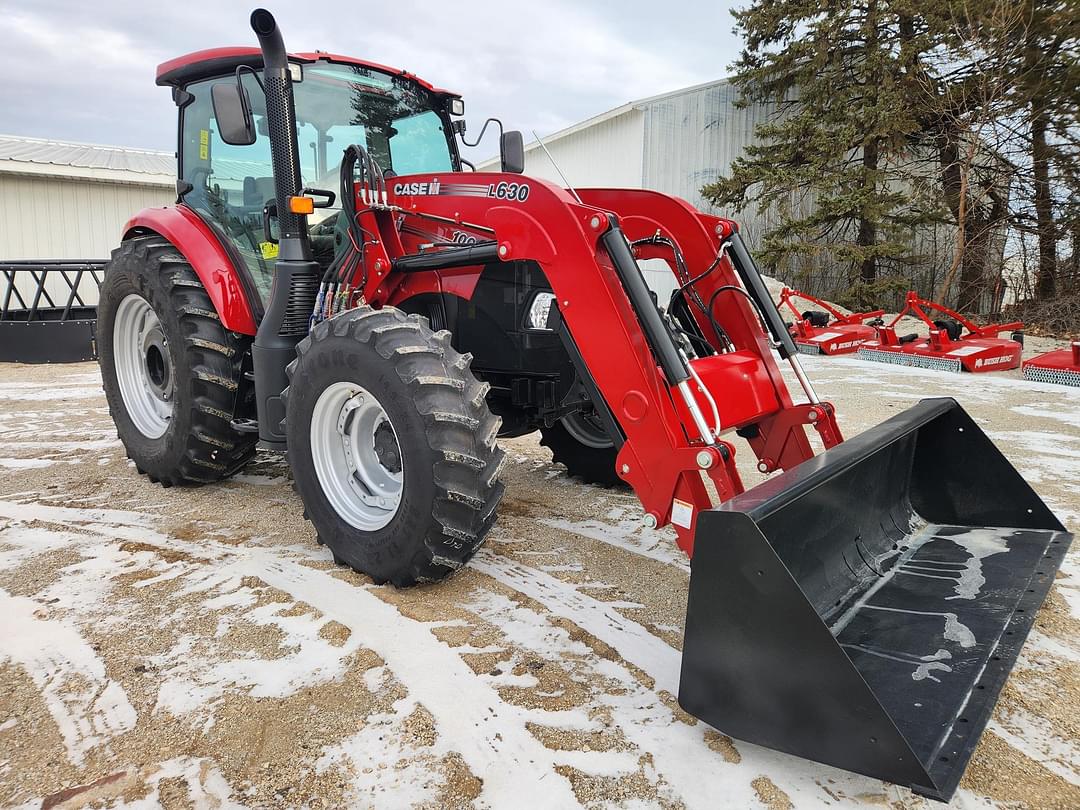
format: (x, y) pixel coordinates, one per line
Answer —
(235, 124)
(512, 152)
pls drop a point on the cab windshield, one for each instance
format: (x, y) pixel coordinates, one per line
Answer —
(402, 125)
(392, 117)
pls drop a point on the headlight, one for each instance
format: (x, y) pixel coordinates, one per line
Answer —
(538, 312)
(457, 106)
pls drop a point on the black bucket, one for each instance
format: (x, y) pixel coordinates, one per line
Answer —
(864, 609)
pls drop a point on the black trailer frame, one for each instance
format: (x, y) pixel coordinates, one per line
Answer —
(40, 328)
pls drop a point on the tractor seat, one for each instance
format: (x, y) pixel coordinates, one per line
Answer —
(258, 191)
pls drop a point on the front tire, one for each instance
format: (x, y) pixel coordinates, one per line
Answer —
(171, 372)
(392, 446)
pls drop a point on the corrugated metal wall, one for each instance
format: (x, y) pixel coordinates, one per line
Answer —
(45, 217)
(606, 154)
(691, 140)
(58, 218)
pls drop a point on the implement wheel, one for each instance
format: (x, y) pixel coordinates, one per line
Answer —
(170, 370)
(392, 445)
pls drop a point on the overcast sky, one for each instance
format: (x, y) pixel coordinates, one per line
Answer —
(84, 71)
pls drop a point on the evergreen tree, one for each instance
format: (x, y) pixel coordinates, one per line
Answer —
(1047, 95)
(836, 159)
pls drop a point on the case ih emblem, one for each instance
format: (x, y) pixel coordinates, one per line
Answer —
(418, 189)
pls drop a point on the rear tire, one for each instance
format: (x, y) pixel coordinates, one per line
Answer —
(178, 429)
(428, 509)
(581, 444)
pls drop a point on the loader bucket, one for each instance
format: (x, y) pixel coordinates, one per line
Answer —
(864, 608)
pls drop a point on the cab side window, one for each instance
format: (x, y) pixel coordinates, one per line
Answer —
(230, 185)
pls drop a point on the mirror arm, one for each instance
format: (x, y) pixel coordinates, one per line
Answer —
(483, 129)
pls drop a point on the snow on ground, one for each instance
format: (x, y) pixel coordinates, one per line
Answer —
(196, 645)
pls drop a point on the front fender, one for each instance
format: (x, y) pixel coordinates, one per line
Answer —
(205, 253)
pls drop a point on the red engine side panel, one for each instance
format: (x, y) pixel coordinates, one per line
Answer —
(200, 246)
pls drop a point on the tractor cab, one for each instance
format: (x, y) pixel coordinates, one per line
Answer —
(402, 121)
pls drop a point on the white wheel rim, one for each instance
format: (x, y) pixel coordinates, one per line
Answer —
(588, 430)
(357, 456)
(144, 367)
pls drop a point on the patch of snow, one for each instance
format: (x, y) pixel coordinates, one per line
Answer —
(87, 706)
(47, 393)
(26, 463)
(1034, 737)
(206, 787)
(1070, 416)
(623, 529)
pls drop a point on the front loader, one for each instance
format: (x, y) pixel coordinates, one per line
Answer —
(333, 284)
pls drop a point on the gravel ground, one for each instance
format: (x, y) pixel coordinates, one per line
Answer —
(196, 648)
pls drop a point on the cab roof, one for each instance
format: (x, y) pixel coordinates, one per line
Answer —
(212, 62)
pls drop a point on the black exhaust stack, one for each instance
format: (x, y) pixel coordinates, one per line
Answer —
(296, 275)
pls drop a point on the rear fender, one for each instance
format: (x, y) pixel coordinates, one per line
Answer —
(207, 256)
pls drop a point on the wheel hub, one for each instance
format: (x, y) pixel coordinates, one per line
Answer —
(144, 367)
(357, 456)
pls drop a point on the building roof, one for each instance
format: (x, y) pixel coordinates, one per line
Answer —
(624, 108)
(83, 160)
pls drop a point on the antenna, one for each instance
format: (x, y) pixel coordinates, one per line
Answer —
(569, 187)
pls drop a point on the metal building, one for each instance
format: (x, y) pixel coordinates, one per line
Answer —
(71, 200)
(675, 143)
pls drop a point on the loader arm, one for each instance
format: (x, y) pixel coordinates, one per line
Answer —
(653, 399)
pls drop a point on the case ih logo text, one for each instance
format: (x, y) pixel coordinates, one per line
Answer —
(417, 189)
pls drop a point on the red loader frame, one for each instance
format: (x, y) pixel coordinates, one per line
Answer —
(666, 456)
(843, 335)
(665, 451)
(980, 349)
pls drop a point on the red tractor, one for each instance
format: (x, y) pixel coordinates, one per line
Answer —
(334, 284)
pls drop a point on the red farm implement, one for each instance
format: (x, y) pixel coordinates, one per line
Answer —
(1061, 366)
(827, 330)
(953, 344)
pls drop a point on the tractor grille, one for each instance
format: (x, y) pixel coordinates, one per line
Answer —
(1058, 376)
(302, 294)
(808, 348)
(916, 360)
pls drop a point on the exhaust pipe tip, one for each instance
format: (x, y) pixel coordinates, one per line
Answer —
(263, 22)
